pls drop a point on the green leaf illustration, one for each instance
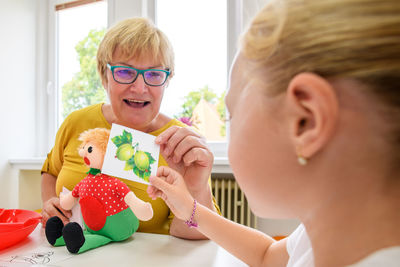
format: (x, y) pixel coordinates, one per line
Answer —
(117, 140)
(131, 160)
(125, 138)
(151, 159)
(128, 166)
(136, 171)
(146, 175)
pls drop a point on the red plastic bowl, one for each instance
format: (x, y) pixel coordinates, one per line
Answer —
(16, 225)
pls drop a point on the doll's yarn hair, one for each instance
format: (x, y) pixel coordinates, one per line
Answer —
(98, 136)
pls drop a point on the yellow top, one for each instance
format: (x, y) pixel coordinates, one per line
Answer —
(64, 162)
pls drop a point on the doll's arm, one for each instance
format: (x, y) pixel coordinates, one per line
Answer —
(67, 201)
(141, 209)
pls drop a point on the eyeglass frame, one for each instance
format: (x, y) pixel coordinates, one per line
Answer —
(138, 71)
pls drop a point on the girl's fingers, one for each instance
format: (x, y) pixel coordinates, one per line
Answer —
(160, 184)
(164, 172)
(150, 189)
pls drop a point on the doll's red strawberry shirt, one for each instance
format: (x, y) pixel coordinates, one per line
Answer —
(100, 196)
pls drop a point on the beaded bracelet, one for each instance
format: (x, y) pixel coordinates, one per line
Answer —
(190, 223)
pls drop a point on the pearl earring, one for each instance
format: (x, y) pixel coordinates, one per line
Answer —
(301, 159)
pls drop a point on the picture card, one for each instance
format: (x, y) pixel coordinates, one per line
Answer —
(131, 154)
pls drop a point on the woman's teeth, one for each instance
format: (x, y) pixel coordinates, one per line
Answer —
(136, 103)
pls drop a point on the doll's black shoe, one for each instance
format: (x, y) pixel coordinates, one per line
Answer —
(73, 237)
(54, 228)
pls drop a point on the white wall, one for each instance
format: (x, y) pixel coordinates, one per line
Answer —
(17, 91)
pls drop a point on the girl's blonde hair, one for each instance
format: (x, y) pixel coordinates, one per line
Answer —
(137, 38)
(97, 136)
(356, 39)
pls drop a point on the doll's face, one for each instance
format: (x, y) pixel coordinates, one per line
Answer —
(92, 155)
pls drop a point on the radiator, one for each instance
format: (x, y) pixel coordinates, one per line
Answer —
(232, 202)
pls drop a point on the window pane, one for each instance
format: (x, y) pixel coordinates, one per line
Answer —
(199, 38)
(80, 31)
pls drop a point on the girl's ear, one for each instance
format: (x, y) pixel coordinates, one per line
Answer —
(313, 109)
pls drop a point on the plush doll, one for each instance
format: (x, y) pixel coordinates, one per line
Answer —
(110, 211)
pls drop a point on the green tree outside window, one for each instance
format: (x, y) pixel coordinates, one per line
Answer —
(85, 87)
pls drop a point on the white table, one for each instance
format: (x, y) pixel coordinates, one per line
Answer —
(141, 249)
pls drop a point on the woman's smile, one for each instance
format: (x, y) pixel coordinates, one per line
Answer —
(135, 103)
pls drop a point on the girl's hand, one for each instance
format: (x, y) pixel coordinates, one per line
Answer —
(170, 186)
(51, 208)
(186, 152)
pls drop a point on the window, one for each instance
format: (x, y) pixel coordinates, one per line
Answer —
(79, 31)
(199, 37)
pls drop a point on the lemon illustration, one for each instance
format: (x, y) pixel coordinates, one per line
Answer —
(141, 160)
(125, 152)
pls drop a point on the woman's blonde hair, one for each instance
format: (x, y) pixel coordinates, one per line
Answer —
(97, 136)
(137, 38)
(356, 39)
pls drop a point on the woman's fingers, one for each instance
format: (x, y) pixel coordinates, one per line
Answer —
(45, 217)
(66, 213)
(187, 144)
(199, 156)
(52, 208)
(171, 137)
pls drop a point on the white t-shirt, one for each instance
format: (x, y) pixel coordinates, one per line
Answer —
(387, 257)
(299, 248)
(301, 254)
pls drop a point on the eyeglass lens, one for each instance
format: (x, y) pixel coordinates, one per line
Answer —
(127, 75)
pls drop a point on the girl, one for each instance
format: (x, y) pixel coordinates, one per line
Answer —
(314, 101)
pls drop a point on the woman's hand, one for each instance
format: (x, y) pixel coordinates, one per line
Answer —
(51, 208)
(186, 152)
(170, 186)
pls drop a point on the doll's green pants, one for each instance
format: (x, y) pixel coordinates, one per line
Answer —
(118, 227)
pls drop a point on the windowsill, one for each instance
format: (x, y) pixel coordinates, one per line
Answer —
(221, 164)
(27, 163)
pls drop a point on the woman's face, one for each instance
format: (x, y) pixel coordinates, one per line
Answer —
(259, 151)
(134, 105)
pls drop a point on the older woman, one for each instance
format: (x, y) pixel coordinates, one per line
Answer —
(135, 62)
